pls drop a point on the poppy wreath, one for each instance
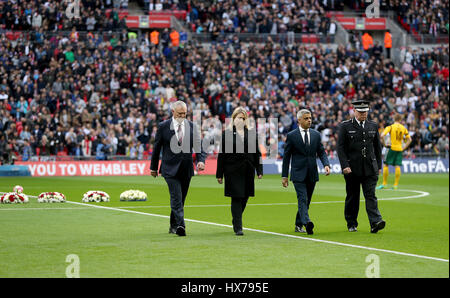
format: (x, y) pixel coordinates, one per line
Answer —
(95, 196)
(51, 197)
(14, 198)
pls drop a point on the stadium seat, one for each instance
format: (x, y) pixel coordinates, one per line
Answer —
(304, 38)
(313, 38)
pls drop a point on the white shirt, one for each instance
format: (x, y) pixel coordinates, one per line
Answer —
(302, 132)
(360, 123)
(175, 126)
(332, 28)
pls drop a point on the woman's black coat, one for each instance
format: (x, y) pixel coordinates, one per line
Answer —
(238, 161)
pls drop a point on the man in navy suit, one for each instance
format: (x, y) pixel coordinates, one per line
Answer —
(179, 139)
(303, 146)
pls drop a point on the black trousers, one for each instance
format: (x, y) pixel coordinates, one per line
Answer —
(353, 185)
(237, 209)
(178, 189)
(304, 192)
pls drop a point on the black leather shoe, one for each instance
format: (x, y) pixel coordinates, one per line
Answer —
(172, 230)
(239, 233)
(299, 229)
(180, 231)
(237, 227)
(352, 229)
(309, 228)
(377, 226)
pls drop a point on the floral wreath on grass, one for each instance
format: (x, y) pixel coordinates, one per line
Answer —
(95, 196)
(51, 197)
(14, 198)
(133, 195)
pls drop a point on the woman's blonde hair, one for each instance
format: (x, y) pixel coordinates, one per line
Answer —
(237, 111)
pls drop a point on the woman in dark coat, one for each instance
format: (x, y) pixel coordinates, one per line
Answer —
(237, 162)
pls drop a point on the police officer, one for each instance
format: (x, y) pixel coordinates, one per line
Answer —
(359, 152)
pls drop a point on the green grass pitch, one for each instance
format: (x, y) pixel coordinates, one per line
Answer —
(131, 239)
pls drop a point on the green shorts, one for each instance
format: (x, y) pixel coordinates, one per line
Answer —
(394, 158)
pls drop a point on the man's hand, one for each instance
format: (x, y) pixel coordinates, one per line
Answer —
(201, 166)
(220, 180)
(259, 176)
(154, 173)
(347, 171)
(285, 182)
(327, 170)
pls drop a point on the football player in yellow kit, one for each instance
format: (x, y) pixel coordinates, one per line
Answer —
(400, 140)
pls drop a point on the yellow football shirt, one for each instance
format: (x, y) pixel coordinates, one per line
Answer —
(398, 133)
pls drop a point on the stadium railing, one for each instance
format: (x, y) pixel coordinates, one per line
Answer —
(199, 37)
(32, 35)
(264, 37)
(414, 38)
(422, 39)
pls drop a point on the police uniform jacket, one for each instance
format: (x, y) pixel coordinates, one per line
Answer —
(359, 148)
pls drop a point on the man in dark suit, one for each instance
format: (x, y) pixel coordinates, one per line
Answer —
(359, 152)
(178, 138)
(303, 146)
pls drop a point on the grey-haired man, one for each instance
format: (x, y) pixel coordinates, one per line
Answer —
(178, 138)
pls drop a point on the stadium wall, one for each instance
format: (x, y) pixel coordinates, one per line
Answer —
(142, 167)
(416, 166)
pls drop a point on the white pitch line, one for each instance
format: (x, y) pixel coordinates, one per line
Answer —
(272, 233)
(420, 194)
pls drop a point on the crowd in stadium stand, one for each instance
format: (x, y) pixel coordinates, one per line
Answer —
(103, 94)
(50, 15)
(158, 5)
(63, 96)
(308, 16)
(422, 17)
(425, 17)
(250, 16)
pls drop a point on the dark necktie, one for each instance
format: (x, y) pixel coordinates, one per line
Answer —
(306, 137)
(361, 124)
